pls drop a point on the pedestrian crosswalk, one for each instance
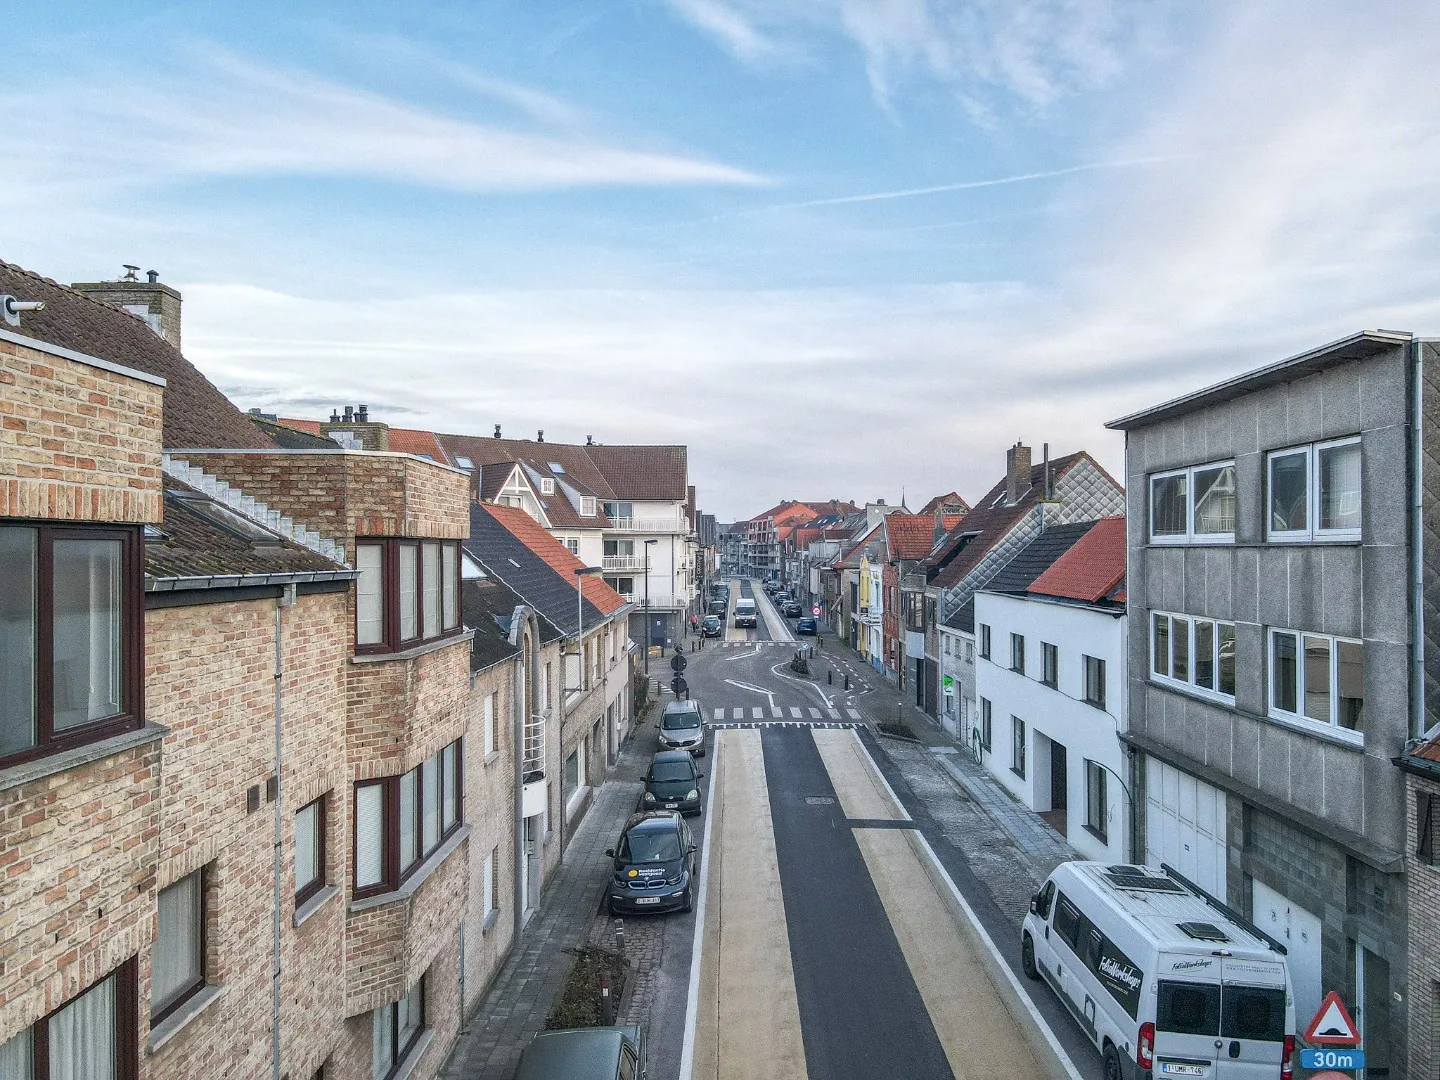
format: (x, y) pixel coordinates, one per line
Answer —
(752, 644)
(783, 712)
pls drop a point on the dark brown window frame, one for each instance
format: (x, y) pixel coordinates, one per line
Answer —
(390, 594)
(1017, 653)
(194, 988)
(1098, 698)
(1426, 827)
(132, 639)
(1100, 830)
(1049, 665)
(394, 875)
(127, 1023)
(304, 893)
(402, 1052)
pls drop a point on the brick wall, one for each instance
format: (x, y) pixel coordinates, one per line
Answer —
(77, 443)
(1424, 954)
(401, 711)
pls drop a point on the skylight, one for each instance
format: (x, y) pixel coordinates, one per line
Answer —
(465, 463)
(556, 467)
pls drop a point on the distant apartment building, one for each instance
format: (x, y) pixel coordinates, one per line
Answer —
(1280, 661)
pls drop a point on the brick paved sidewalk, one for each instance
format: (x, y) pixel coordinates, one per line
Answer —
(519, 999)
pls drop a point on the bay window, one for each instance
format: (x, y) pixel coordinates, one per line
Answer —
(90, 1037)
(1196, 653)
(70, 610)
(1314, 492)
(1196, 504)
(1318, 678)
(400, 821)
(407, 593)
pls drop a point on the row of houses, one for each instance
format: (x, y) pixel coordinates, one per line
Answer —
(1228, 664)
(294, 725)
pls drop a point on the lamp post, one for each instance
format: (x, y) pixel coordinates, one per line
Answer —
(648, 632)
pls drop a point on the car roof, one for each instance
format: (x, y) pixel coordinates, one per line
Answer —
(578, 1054)
(652, 819)
(688, 705)
(672, 755)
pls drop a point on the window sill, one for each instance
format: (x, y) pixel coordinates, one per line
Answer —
(176, 1022)
(415, 880)
(26, 772)
(576, 801)
(492, 757)
(1355, 740)
(1191, 690)
(1018, 772)
(491, 918)
(414, 651)
(315, 903)
(1097, 834)
(412, 1059)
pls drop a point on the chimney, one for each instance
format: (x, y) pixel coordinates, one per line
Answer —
(362, 414)
(497, 431)
(589, 440)
(151, 301)
(349, 417)
(1017, 472)
(1046, 489)
(334, 416)
(540, 435)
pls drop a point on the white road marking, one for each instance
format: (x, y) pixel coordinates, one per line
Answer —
(719, 714)
(814, 714)
(775, 670)
(692, 996)
(854, 714)
(776, 711)
(757, 713)
(769, 694)
(743, 655)
(738, 714)
(834, 713)
(795, 712)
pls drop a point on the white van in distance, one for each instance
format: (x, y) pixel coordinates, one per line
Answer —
(745, 612)
(1165, 979)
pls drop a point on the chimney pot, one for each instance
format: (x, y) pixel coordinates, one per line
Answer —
(589, 440)
(1017, 472)
(497, 431)
(349, 414)
(152, 276)
(131, 270)
(540, 435)
(362, 414)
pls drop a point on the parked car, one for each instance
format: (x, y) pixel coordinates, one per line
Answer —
(717, 607)
(654, 864)
(792, 609)
(673, 782)
(598, 1053)
(682, 727)
(745, 612)
(1165, 979)
(711, 626)
(808, 625)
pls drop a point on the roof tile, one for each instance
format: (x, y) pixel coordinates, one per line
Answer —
(1092, 568)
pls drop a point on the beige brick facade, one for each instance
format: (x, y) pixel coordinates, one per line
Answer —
(1424, 935)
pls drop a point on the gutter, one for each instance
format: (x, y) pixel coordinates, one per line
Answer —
(239, 581)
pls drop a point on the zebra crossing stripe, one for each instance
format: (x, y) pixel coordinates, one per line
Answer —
(814, 714)
(795, 712)
(776, 711)
(757, 713)
(739, 714)
(834, 713)
(854, 714)
(719, 714)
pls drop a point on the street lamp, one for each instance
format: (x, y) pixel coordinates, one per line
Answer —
(649, 632)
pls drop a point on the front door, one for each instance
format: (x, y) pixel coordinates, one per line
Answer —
(533, 829)
(920, 683)
(1059, 778)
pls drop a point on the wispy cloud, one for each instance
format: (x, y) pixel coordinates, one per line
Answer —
(733, 29)
(229, 117)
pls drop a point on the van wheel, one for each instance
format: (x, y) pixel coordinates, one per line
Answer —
(1114, 1068)
(1027, 960)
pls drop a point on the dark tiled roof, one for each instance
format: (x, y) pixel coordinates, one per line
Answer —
(290, 438)
(1092, 569)
(196, 413)
(948, 501)
(1036, 557)
(963, 617)
(611, 473)
(487, 606)
(204, 538)
(643, 472)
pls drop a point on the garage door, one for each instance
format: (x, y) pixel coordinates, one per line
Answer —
(1299, 931)
(1185, 825)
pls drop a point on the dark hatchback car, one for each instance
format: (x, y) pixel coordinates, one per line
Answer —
(792, 609)
(808, 625)
(673, 783)
(612, 1053)
(654, 865)
(711, 626)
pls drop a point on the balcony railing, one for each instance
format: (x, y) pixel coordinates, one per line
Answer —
(649, 525)
(622, 562)
(532, 759)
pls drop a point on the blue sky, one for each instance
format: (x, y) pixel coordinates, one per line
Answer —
(839, 247)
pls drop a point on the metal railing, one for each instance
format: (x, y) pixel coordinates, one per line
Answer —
(622, 562)
(649, 525)
(532, 758)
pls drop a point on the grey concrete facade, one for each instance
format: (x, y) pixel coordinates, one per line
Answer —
(1310, 812)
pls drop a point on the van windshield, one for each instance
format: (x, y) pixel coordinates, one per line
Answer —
(1256, 1013)
(680, 719)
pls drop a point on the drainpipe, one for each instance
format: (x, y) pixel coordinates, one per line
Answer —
(286, 599)
(517, 744)
(1418, 719)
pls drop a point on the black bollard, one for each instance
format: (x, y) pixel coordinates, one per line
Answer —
(847, 682)
(830, 677)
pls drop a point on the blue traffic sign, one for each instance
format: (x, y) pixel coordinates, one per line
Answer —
(1332, 1057)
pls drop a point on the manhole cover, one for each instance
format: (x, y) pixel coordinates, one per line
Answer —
(819, 800)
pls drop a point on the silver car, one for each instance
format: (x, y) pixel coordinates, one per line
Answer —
(682, 727)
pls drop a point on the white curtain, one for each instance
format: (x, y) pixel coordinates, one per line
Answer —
(447, 554)
(369, 595)
(369, 835)
(382, 1044)
(87, 630)
(82, 1036)
(16, 1057)
(408, 836)
(307, 828)
(408, 598)
(430, 804)
(430, 565)
(449, 755)
(17, 640)
(175, 955)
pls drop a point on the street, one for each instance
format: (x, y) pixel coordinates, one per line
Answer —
(837, 936)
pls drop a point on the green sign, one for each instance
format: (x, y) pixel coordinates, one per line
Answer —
(948, 682)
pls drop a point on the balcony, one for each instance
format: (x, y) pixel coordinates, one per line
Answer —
(622, 562)
(532, 758)
(869, 617)
(649, 525)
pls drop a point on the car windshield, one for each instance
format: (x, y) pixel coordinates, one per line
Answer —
(649, 846)
(670, 770)
(678, 720)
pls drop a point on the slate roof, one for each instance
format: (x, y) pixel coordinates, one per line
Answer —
(200, 537)
(290, 438)
(197, 414)
(1092, 570)
(487, 605)
(514, 548)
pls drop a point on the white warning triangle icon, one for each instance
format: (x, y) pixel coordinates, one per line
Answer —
(1332, 1024)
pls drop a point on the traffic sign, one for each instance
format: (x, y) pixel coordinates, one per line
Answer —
(677, 663)
(1333, 1057)
(679, 687)
(815, 610)
(1332, 1025)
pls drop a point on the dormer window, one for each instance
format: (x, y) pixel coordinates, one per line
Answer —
(547, 486)
(408, 593)
(587, 505)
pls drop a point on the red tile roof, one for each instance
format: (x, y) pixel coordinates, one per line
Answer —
(533, 535)
(1428, 751)
(420, 443)
(950, 498)
(1093, 567)
(310, 427)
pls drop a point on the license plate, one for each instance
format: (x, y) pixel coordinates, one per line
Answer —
(671, 805)
(647, 899)
(1170, 1068)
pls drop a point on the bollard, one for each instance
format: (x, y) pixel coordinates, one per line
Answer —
(847, 682)
(607, 1003)
(620, 936)
(830, 677)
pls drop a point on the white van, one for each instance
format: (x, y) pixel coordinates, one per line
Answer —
(1164, 978)
(745, 612)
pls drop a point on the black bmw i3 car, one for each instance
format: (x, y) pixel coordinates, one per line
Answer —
(654, 865)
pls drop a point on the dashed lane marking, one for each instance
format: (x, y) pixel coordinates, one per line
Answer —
(814, 713)
(742, 724)
(776, 711)
(833, 713)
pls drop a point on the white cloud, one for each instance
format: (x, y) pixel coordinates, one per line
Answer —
(232, 118)
(734, 30)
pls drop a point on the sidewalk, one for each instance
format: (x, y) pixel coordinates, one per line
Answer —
(518, 1001)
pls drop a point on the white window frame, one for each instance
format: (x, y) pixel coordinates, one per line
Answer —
(547, 486)
(1188, 684)
(487, 725)
(587, 505)
(1189, 536)
(1299, 718)
(1312, 532)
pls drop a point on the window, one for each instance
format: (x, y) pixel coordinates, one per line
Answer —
(969, 652)
(487, 724)
(1197, 653)
(1426, 826)
(309, 850)
(573, 544)
(587, 505)
(1095, 681)
(619, 510)
(492, 880)
(408, 593)
(985, 724)
(401, 820)
(1319, 678)
(572, 770)
(394, 1030)
(1194, 504)
(547, 485)
(1017, 653)
(69, 629)
(90, 1037)
(1017, 746)
(177, 956)
(1097, 810)
(1049, 664)
(984, 641)
(1314, 492)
